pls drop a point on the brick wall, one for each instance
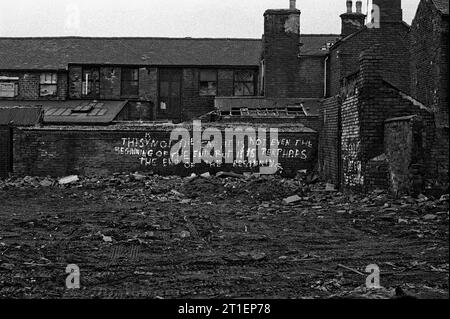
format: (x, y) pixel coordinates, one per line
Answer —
(429, 60)
(280, 50)
(403, 149)
(194, 105)
(4, 151)
(287, 73)
(29, 88)
(329, 141)
(311, 77)
(395, 47)
(351, 144)
(59, 152)
(367, 102)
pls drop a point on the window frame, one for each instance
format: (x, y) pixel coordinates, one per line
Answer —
(83, 78)
(254, 81)
(11, 81)
(122, 82)
(51, 83)
(216, 71)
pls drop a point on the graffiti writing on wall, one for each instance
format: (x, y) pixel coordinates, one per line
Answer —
(157, 150)
(352, 164)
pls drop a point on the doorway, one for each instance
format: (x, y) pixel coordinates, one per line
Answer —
(169, 106)
(6, 141)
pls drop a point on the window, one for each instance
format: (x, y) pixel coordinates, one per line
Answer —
(208, 83)
(91, 82)
(9, 86)
(48, 84)
(244, 83)
(130, 82)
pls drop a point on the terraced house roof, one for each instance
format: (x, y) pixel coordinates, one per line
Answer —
(57, 52)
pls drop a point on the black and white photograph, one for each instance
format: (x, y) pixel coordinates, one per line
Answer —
(224, 155)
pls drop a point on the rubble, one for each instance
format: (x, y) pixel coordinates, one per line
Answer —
(68, 180)
(223, 229)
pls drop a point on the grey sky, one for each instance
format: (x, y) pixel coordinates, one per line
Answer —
(164, 18)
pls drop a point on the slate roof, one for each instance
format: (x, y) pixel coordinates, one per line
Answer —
(317, 44)
(74, 112)
(20, 116)
(57, 52)
(441, 5)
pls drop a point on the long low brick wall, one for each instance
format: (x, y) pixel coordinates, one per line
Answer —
(60, 151)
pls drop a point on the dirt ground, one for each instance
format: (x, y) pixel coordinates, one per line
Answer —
(155, 237)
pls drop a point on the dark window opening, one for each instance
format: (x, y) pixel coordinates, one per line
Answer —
(48, 84)
(208, 83)
(130, 82)
(244, 83)
(91, 82)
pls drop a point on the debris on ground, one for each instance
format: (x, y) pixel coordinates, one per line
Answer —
(234, 236)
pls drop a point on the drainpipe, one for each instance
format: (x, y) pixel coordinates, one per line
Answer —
(325, 75)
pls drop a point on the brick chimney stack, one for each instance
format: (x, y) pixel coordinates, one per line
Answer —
(352, 21)
(281, 48)
(293, 4)
(388, 10)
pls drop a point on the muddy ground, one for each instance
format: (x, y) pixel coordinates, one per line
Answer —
(155, 237)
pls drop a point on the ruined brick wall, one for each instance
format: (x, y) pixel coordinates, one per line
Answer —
(429, 60)
(59, 152)
(351, 144)
(329, 141)
(29, 88)
(5, 150)
(395, 47)
(400, 149)
(368, 101)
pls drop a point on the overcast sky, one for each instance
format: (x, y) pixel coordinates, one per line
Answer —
(164, 18)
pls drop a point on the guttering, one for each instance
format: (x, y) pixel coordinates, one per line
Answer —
(325, 75)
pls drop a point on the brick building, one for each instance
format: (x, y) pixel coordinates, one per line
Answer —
(385, 124)
(162, 79)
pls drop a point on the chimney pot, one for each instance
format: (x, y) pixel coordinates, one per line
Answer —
(349, 6)
(292, 4)
(358, 6)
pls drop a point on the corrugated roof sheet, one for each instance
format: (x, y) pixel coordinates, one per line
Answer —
(75, 112)
(20, 116)
(57, 53)
(441, 5)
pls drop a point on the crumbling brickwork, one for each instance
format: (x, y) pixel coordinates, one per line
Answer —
(329, 141)
(367, 102)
